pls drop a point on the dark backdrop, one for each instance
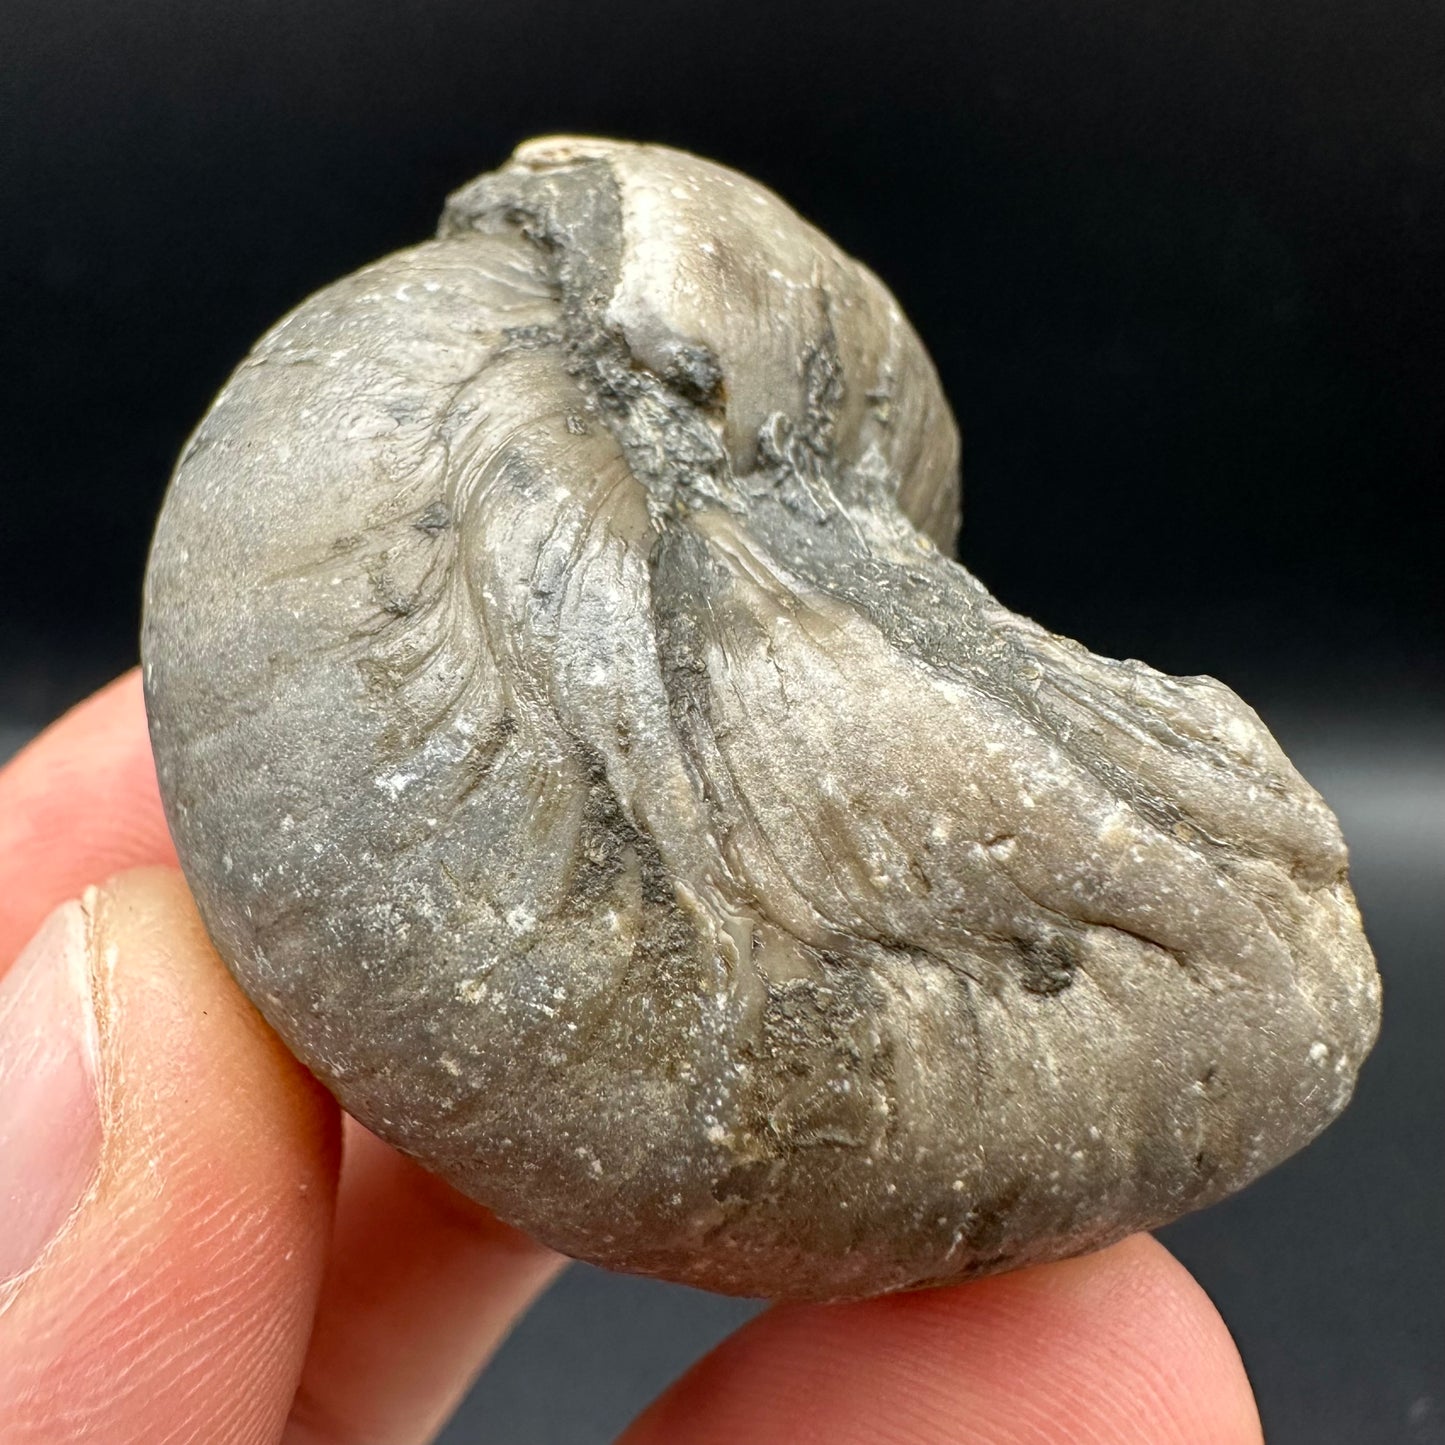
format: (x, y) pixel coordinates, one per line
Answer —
(1181, 269)
(1180, 265)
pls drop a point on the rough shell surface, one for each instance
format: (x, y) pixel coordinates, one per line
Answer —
(586, 754)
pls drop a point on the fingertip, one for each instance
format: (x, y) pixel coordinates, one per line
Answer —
(421, 1287)
(180, 1032)
(77, 803)
(1120, 1346)
(175, 1302)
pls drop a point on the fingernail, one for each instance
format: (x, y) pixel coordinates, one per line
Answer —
(50, 1130)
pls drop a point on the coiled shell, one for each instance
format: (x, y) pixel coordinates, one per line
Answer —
(584, 752)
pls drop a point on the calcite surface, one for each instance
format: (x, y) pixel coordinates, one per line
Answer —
(585, 752)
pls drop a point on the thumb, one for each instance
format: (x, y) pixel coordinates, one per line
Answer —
(167, 1174)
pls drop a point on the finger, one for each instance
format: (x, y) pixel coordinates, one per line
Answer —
(166, 1176)
(76, 805)
(421, 1284)
(1119, 1347)
(422, 1287)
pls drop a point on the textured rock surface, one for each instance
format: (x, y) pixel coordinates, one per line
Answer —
(586, 757)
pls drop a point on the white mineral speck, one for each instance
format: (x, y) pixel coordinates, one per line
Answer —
(395, 784)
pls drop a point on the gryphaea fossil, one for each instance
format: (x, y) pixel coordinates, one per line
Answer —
(585, 752)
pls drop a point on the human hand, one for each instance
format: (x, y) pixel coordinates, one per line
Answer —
(188, 1253)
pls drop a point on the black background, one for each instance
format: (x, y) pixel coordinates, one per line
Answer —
(1182, 268)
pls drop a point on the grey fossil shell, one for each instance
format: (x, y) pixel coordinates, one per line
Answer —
(584, 751)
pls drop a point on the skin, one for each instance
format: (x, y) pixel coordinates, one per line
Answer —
(249, 1268)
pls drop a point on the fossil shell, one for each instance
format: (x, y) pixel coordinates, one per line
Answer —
(586, 754)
